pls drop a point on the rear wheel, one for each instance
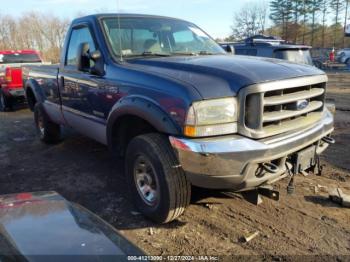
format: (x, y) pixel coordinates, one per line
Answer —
(5, 102)
(49, 132)
(158, 185)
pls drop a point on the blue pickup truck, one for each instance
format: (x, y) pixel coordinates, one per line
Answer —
(161, 93)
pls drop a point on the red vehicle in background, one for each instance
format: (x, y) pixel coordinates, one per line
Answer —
(11, 84)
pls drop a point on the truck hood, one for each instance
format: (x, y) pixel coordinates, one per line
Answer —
(223, 75)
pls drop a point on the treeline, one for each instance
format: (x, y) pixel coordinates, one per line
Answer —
(34, 30)
(319, 23)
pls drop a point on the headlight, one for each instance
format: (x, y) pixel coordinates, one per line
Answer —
(211, 118)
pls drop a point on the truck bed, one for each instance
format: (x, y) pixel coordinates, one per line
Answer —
(49, 70)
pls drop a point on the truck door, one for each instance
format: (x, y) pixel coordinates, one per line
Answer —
(80, 91)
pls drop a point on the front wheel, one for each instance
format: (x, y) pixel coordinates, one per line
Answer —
(158, 184)
(49, 132)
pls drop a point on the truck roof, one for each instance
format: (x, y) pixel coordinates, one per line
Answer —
(122, 15)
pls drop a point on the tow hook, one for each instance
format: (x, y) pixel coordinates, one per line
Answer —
(328, 140)
(270, 167)
(290, 187)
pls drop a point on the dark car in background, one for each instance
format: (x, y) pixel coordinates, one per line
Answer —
(269, 46)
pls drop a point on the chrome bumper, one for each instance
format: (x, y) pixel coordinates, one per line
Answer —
(231, 162)
(16, 92)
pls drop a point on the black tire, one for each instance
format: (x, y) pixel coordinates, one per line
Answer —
(49, 132)
(5, 102)
(173, 189)
(347, 62)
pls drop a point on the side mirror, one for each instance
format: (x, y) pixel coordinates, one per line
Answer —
(98, 68)
(84, 58)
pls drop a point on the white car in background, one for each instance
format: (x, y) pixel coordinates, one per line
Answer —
(343, 56)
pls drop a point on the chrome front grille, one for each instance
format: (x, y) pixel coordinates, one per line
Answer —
(273, 108)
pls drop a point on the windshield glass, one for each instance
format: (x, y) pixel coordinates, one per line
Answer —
(157, 36)
(19, 58)
(297, 56)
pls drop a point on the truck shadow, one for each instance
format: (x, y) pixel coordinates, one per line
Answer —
(321, 200)
(18, 106)
(85, 172)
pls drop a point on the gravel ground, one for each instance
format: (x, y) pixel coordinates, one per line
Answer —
(304, 224)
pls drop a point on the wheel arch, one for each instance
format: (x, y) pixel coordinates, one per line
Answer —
(133, 116)
(33, 93)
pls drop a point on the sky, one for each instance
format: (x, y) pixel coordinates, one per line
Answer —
(213, 16)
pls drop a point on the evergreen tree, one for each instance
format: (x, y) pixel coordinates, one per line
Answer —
(337, 6)
(281, 14)
(306, 11)
(315, 7)
(324, 10)
(296, 10)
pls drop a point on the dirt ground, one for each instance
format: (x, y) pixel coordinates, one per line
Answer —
(83, 171)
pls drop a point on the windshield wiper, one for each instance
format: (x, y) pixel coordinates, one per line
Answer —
(184, 53)
(145, 54)
(205, 53)
(148, 53)
(193, 53)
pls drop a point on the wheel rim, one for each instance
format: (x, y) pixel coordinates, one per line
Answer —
(145, 181)
(41, 124)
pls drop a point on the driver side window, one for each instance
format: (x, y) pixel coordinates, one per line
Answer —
(78, 36)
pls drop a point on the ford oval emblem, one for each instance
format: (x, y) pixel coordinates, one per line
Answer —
(302, 104)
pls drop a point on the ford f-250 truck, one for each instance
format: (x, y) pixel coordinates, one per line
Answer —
(160, 92)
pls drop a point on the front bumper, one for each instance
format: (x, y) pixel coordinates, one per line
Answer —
(231, 162)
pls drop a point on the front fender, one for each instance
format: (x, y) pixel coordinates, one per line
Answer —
(145, 109)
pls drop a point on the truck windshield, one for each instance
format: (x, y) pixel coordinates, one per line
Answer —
(137, 36)
(301, 56)
(19, 58)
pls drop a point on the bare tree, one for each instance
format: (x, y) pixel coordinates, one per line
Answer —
(262, 9)
(34, 30)
(250, 20)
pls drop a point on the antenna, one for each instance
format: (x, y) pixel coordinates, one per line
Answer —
(120, 35)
